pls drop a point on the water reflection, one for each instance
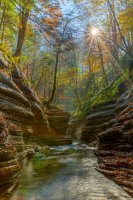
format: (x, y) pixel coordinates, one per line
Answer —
(68, 176)
(28, 168)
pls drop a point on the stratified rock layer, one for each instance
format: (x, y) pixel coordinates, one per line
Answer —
(88, 128)
(15, 114)
(9, 159)
(40, 123)
(21, 115)
(115, 149)
(58, 121)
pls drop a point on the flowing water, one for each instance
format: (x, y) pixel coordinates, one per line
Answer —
(66, 173)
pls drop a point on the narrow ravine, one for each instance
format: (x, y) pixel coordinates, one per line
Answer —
(66, 173)
(66, 100)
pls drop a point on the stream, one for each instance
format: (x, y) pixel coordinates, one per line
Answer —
(65, 173)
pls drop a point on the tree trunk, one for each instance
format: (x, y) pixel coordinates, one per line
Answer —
(22, 30)
(114, 34)
(2, 18)
(3, 31)
(117, 24)
(55, 78)
(40, 78)
(102, 63)
(32, 71)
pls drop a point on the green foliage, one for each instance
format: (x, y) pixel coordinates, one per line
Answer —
(105, 95)
(87, 61)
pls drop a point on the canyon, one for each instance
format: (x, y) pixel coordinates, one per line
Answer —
(24, 120)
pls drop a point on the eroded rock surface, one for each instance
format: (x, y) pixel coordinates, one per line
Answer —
(21, 115)
(88, 128)
(58, 121)
(115, 149)
(40, 123)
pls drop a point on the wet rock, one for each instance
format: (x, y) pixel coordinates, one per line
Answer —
(33, 148)
(30, 152)
(84, 146)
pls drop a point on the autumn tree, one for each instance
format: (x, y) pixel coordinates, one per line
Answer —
(24, 12)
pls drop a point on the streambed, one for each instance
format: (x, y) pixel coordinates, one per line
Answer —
(66, 173)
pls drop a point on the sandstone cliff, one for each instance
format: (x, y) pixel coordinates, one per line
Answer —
(87, 129)
(21, 114)
(115, 148)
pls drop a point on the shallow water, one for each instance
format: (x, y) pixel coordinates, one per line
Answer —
(68, 173)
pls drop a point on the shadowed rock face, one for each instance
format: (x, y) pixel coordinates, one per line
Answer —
(21, 115)
(115, 149)
(58, 120)
(95, 118)
(88, 128)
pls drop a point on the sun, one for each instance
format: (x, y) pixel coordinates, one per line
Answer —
(94, 31)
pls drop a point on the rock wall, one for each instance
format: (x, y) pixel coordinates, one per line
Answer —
(58, 121)
(40, 123)
(9, 162)
(21, 115)
(14, 112)
(88, 128)
(115, 149)
(111, 124)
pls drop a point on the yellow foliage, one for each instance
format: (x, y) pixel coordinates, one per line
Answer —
(29, 31)
(92, 62)
(126, 20)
